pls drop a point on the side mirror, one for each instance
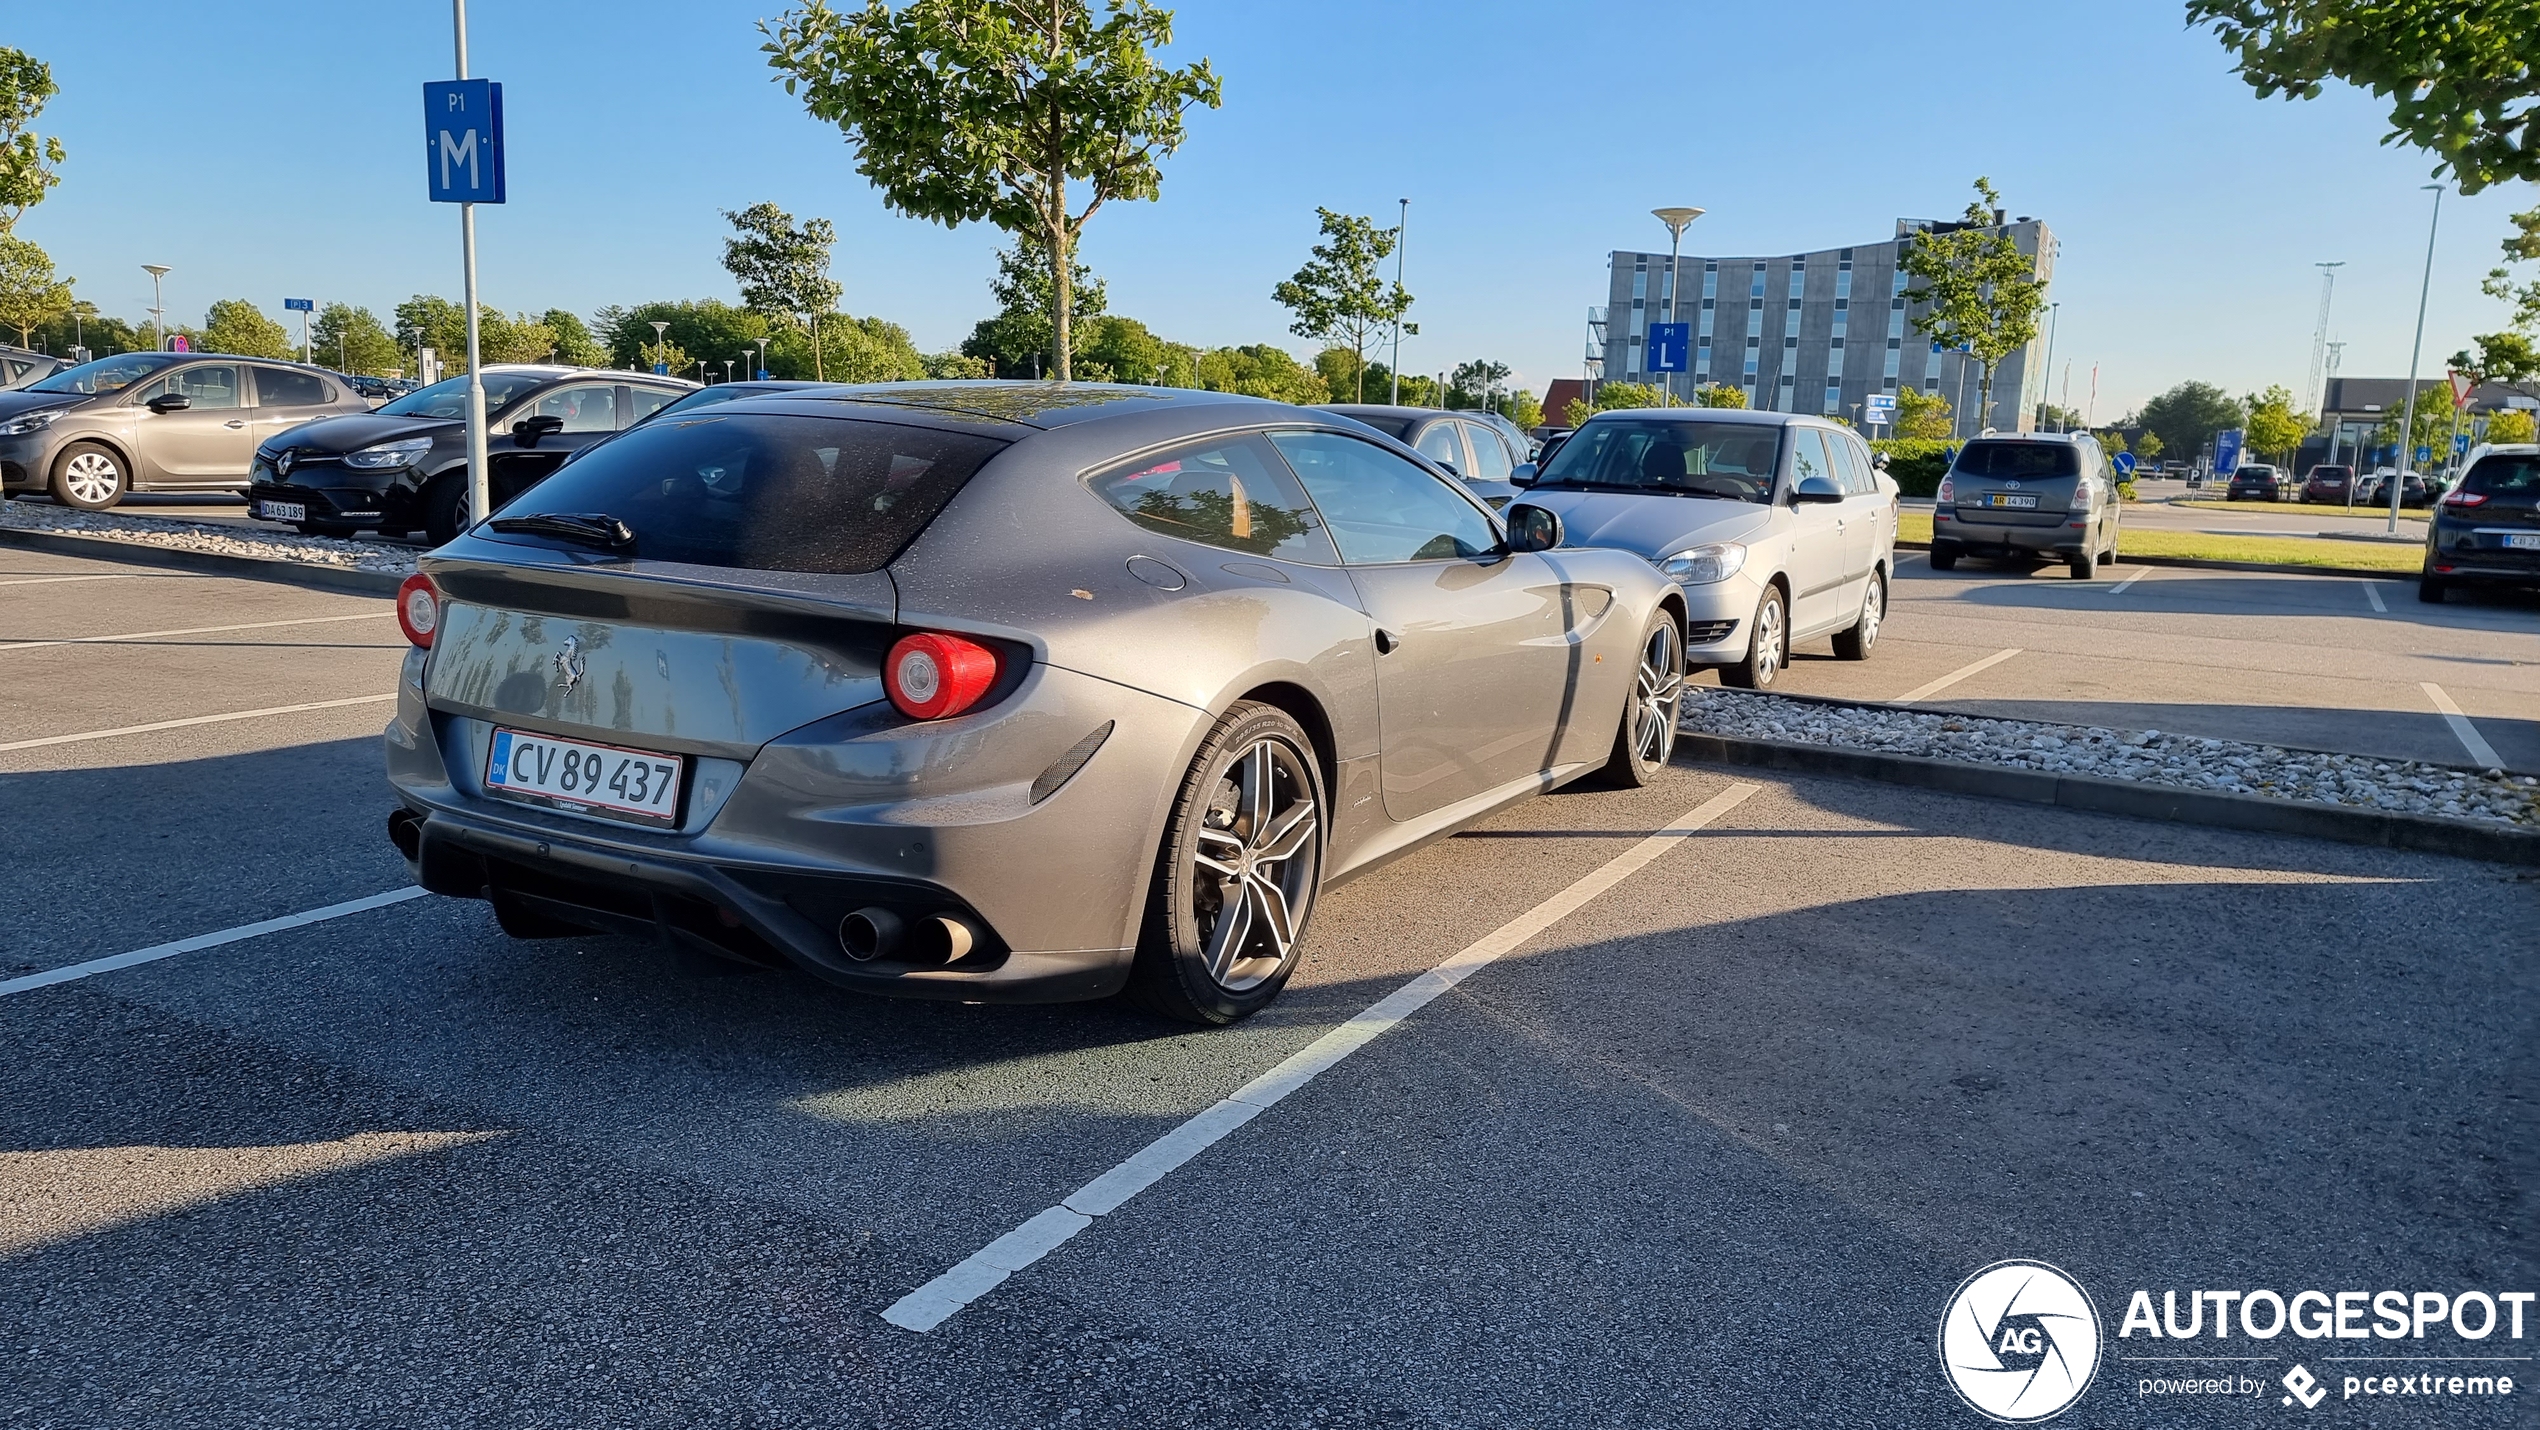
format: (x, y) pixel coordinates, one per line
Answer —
(528, 430)
(1449, 467)
(1878, 461)
(1524, 476)
(1816, 489)
(167, 402)
(1533, 528)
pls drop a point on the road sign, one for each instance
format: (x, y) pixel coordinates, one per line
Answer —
(463, 140)
(1880, 402)
(2125, 464)
(2460, 445)
(2424, 455)
(1670, 345)
(2462, 385)
(179, 344)
(299, 305)
(2227, 451)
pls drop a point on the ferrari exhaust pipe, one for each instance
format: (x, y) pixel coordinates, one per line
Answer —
(868, 934)
(942, 938)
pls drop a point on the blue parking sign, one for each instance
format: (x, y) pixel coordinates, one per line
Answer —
(463, 140)
(1670, 345)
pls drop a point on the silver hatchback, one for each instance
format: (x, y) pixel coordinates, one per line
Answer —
(95, 433)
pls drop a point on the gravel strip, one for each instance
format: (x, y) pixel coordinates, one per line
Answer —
(2147, 756)
(217, 540)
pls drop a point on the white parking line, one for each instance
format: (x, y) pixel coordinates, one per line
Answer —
(2139, 573)
(194, 631)
(931, 1304)
(55, 580)
(193, 720)
(2372, 593)
(201, 941)
(1923, 692)
(2480, 752)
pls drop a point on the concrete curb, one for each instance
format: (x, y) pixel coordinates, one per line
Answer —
(2430, 834)
(2277, 568)
(252, 568)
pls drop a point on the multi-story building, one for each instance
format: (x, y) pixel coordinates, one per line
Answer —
(1816, 331)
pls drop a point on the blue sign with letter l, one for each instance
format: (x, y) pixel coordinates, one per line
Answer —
(1670, 344)
(463, 140)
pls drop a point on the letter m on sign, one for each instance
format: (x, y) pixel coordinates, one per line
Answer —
(463, 141)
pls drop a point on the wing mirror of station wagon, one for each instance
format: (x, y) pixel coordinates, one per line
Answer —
(1524, 476)
(1816, 489)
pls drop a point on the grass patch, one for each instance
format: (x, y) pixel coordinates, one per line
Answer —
(2294, 551)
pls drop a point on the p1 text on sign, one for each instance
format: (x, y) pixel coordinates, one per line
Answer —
(463, 140)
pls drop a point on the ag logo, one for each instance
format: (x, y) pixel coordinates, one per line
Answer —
(2020, 1341)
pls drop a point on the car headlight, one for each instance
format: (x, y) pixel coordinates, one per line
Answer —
(26, 422)
(390, 454)
(1702, 565)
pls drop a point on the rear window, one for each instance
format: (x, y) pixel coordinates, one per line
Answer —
(2516, 476)
(2019, 459)
(761, 492)
(1398, 428)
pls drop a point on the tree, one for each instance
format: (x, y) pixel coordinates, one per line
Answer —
(1719, 394)
(517, 338)
(1923, 416)
(574, 343)
(2059, 419)
(1471, 383)
(2433, 426)
(237, 326)
(2457, 73)
(1261, 370)
(1340, 295)
(2511, 356)
(1524, 411)
(855, 349)
(2111, 441)
(2148, 446)
(1019, 336)
(991, 109)
(1981, 294)
(30, 293)
(27, 162)
(1126, 349)
(441, 325)
(2187, 416)
(2509, 426)
(784, 270)
(353, 340)
(946, 367)
(2276, 428)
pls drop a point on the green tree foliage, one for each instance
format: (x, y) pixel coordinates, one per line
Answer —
(1923, 416)
(31, 293)
(1916, 463)
(102, 336)
(235, 325)
(2111, 441)
(1340, 295)
(783, 270)
(705, 329)
(1524, 410)
(2511, 356)
(574, 343)
(2276, 425)
(2187, 416)
(2509, 425)
(441, 325)
(2433, 426)
(1719, 394)
(1261, 370)
(1474, 383)
(1981, 293)
(1611, 397)
(2458, 73)
(1126, 350)
(27, 161)
(2148, 446)
(352, 340)
(945, 367)
(1017, 342)
(849, 350)
(2051, 418)
(963, 110)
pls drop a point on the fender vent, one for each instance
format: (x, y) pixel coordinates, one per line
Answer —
(1064, 768)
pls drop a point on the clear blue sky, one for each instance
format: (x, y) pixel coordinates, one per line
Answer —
(268, 148)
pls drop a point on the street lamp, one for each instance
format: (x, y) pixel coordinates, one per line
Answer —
(158, 313)
(727, 367)
(701, 372)
(2045, 370)
(760, 371)
(2408, 423)
(1402, 225)
(1677, 221)
(661, 349)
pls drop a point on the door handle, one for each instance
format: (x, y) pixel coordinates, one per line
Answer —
(1386, 641)
(233, 424)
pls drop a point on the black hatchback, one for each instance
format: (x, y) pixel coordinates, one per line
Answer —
(2487, 531)
(404, 466)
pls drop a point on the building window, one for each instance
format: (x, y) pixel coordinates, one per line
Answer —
(1640, 285)
(1755, 286)
(1755, 305)
(1834, 397)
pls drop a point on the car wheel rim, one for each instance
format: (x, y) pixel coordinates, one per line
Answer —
(91, 477)
(1768, 642)
(1256, 863)
(1873, 606)
(1658, 692)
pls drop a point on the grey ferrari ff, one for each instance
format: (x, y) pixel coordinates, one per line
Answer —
(1000, 691)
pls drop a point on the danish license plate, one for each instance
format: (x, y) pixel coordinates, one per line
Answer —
(607, 780)
(2523, 541)
(2023, 501)
(282, 511)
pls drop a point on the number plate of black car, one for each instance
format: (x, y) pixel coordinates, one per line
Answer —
(607, 780)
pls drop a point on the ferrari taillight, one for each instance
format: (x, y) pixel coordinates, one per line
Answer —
(930, 676)
(419, 609)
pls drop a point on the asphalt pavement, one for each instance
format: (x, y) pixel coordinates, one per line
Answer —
(1712, 1149)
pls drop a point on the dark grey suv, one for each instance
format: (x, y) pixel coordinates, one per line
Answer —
(2031, 497)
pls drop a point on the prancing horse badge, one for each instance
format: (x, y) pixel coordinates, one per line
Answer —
(569, 665)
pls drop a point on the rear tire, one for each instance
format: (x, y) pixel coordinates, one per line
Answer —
(1646, 738)
(1856, 643)
(1767, 646)
(1943, 560)
(2085, 566)
(1236, 878)
(90, 476)
(2431, 591)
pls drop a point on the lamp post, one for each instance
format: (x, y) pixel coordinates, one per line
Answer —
(2054, 317)
(1401, 227)
(480, 493)
(701, 372)
(743, 360)
(760, 371)
(2408, 423)
(1677, 221)
(661, 349)
(159, 301)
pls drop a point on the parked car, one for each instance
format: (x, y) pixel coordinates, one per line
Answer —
(155, 422)
(2415, 491)
(1777, 528)
(380, 389)
(2255, 481)
(1460, 442)
(1519, 443)
(1000, 691)
(2486, 532)
(2327, 482)
(404, 466)
(2033, 497)
(20, 367)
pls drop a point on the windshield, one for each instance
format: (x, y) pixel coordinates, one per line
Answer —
(448, 397)
(760, 492)
(1735, 460)
(106, 374)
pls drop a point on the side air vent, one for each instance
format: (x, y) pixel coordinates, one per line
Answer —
(1064, 768)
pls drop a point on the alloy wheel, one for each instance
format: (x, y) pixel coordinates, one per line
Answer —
(92, 477)
(1257, 861)
(1768, 641)
(1873, 609)
(1658, 693)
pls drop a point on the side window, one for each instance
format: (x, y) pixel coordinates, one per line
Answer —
(1850, 467)
(585, 407)
(281, 387)
(1490, 455)
(1808, 455)
(203, 385)
(1438, 444)
(1382, 508)
(1233, 493)
(647, 401)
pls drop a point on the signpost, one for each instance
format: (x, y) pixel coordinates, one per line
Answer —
(304, 307)
(463, 160)
(2124, 464)
(1879, 409)
(1670, 348)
